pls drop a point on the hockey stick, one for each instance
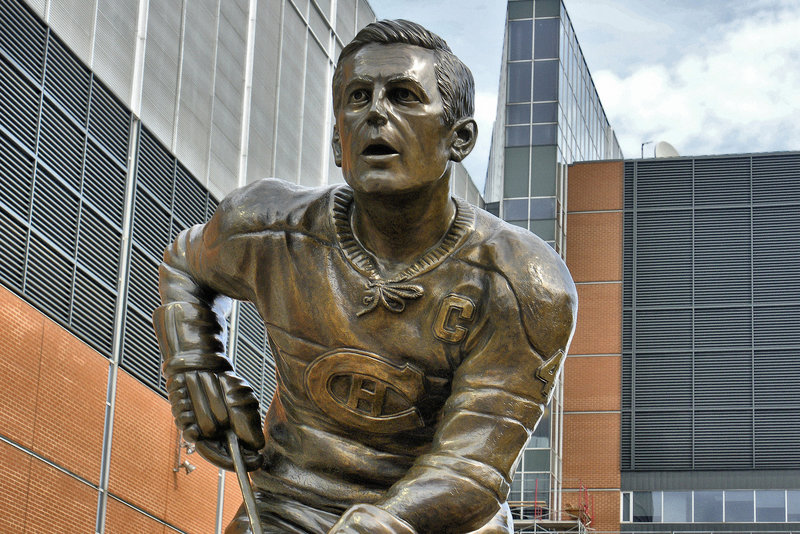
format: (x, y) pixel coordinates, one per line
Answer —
(244, 482)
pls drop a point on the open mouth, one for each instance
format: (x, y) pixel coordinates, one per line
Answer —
(379, 149)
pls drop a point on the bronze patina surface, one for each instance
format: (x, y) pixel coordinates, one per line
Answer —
(416, 338)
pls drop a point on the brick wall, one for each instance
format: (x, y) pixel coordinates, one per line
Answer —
(592, 371)
(53, 405)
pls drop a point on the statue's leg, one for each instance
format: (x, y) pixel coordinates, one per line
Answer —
(283, 516)
(501, 523)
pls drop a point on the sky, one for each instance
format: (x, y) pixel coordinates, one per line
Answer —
(707, 76)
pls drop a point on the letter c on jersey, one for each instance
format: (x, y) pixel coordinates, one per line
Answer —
(362, 390)
(445, 326)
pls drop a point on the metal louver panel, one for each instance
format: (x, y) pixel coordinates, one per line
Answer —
(93, 311)
(12, 253)
(155, 168)
(49, 278)
(140, 355)
(99, 247)
(711, 291)
(55, 211)
(23, 37)
(16, 168)
(143, 283)
(190, 198)
(19, 105)
(151, 224)
(68, 82)
(109, 124)
(104, 185)
(61, 145)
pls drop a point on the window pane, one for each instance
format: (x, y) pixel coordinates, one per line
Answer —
(543, 208)
(544, 134)
(541, 435)
(518, 114)
(515, 210)
(537, 459)
(515, 175)
(518, 136)
(546, 39)
(544, 229)
(677, 506)
(545, 85)
(770, 506)
(547, 112)
(793, 505)
(520, 10)
(547, 8)
(520, 36)
(738, 506)
(519, 82)
(708, 507)
(647, 506)
(626, 507)
(543, 172)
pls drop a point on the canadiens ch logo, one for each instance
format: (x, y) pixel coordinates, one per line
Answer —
(362, 390)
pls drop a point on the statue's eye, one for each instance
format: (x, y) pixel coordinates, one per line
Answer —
(401, 94)
(359, 96)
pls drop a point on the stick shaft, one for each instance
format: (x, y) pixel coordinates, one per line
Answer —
(244, 482)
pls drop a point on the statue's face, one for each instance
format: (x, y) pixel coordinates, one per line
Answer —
(390, 134)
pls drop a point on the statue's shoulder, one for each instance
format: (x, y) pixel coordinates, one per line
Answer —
(271, 203)
(536, 275)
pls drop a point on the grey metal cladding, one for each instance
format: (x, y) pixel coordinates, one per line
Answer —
(115, 45)
(711, 313)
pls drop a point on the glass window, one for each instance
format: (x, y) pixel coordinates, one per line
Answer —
(543, 171)
(647, 506)
(626, 507)
(536, 459)
(493, 208)
(770, 506)
(541, 435)
(543, 208)
(544, 134)
(677, 507)
(519, 82)
(520, 10)
(535, 486)
(544, 229)
(545, 43)
(738, 506)
(515, 175)
(548, 8)
(545, 84)
(515, 209)
(547, 112)
(518, 136)
(708, 507)
(518, 114)
(793, 505)
(520, 37)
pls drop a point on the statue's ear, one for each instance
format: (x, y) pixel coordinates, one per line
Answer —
(465, 133)
(336, 144)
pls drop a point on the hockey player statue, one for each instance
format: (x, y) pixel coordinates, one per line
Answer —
(416, 338)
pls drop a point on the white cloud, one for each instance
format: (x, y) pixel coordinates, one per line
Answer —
(740, 94)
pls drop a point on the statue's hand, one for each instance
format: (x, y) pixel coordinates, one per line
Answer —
(206, 404)
(369, 519)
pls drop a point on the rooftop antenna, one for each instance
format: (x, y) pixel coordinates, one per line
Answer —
(643, 144)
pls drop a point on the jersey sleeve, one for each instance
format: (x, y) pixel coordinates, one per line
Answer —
(499, 392)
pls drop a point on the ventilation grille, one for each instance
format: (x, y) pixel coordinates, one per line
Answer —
(711, 313)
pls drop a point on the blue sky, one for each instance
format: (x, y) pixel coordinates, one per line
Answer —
(708, 76)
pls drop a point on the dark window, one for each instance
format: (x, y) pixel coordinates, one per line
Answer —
(738, 506)
(770, 506)
(518, 114)
(545, 112)
(522, 9)
(520, 37)
(544, 134)
(545, 80)
(708, 507)
(519, 82)
(515, 209)
(543, 208)
(545, 37)
(518, 136)
(548, 8)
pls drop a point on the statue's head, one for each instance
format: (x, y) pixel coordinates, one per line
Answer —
(453, 78)
(403, 105)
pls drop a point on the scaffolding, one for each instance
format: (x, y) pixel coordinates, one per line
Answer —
(537, 516)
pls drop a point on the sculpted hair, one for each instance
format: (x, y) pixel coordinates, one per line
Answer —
(453, 78)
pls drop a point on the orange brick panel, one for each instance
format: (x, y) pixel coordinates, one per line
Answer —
(595, 186)
(121, 519)
(591, 450)
(143, 449)
(192, 498)
(71, 405)
(20, 346)
(58, 502)
(592, 383)
(603, 508)
(599, 326)
(594, 246)
(15, 470)
(233, 498)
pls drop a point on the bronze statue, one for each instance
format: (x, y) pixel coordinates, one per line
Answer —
(416, 338)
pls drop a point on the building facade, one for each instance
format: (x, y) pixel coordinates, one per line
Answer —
(681, 386)
(549, 115)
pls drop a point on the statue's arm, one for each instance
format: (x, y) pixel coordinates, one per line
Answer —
(498, 395)
(197, 280)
